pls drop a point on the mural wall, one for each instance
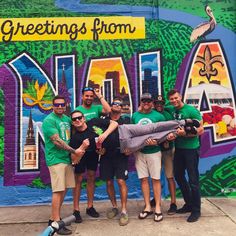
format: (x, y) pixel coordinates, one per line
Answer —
(124, 48)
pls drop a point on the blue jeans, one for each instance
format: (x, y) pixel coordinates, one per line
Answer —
(188, 159)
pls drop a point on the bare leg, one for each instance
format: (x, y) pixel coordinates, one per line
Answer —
(77, 191)
(57, 199)
(157, 194)
(123, 194)
(111, 192)
(146, 193)
(172, 189)
(90, 187)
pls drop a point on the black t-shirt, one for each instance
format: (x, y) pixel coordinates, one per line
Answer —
(95, 127)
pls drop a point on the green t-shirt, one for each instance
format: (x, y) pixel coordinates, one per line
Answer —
(95, 111)
(186, 112)
(167, 114)
(54, 124)
(144, 119)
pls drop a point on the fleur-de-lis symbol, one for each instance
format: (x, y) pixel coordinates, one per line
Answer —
(208, 61)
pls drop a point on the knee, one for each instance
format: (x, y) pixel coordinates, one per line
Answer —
(121, 182)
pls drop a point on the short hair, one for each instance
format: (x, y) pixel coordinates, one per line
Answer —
(172, 92)
(75, 111)
(58, 97)
(118, 98)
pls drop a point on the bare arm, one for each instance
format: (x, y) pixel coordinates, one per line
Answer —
(112, 126)
(106, 109)
(61, 144)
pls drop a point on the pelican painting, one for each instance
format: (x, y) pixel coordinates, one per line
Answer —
(204, 28)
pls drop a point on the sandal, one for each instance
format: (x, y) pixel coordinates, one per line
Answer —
(158, 217)
(144, 214)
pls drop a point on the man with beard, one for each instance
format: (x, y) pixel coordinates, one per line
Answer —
(88, 108)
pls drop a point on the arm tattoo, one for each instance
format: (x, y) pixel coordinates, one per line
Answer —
(61, 144)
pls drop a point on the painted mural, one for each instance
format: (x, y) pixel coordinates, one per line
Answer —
(124, 48)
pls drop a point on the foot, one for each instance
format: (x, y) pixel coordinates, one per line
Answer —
(194, 217)
(158, 217)
(124, 219)
(192, 122)
(92, 212)
(78, 218)
(144, 214)
(64, 231)
(153, 202)
(172, 210)
(184, 209)
(112, 213)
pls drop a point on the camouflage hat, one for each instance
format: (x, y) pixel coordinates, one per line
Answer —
(160, 99)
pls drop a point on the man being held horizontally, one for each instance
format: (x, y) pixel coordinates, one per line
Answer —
(186, 157)
(56, 130)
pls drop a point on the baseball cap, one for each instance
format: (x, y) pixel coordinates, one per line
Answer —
(160, 99)
(146, 96)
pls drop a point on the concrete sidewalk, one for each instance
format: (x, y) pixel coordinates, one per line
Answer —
(218, 218)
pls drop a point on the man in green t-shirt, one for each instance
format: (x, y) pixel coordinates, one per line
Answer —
(56, 130)
(186, 156)
(167, 150)
(148, 159)
(91, 111)
(88, 108)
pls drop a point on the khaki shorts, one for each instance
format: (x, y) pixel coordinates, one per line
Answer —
(148, 165)
(167, 159)
(62, 177)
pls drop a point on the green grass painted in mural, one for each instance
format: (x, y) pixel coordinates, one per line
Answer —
(219, 181)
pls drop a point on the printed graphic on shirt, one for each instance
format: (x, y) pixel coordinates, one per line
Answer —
(145, 121)
(65, 131)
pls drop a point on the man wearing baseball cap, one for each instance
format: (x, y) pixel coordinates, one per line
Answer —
(148, 159)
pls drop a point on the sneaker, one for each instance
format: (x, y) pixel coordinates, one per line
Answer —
(112, 213)
(124, 219)
(194, 217)
(192, 122)
(78, 218)
(50, 222)
(153, 202)
(184, 209)
(172, 210)
(64, 231)
(92, 212)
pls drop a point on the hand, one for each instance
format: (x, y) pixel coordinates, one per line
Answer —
(180, 132)
(102, 137)
(127, 152)
(101, 151)
(75, 159)
(97, 93)
(85, 144)
(151, 142)
(171, 136)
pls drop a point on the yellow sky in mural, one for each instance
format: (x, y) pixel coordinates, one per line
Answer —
(222, 70)
(99, 68)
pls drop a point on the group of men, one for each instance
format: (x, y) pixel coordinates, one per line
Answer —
(93, 140)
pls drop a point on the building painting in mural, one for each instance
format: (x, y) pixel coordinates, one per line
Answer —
(204, 78)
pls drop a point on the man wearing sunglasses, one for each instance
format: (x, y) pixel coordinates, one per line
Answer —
(115, 164)
(167, 149)
(88, 108)
(148, 159)
(56, 130)
(98, 128)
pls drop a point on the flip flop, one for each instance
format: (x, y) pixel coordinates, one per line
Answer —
(144, 214)
(158, 217)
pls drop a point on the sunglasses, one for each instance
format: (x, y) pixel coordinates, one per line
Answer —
(77, 118)
(59, 104)
(159, 102)
(87, 89)
(117, 104)
(146, 100)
